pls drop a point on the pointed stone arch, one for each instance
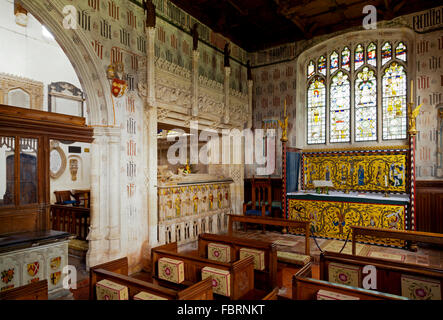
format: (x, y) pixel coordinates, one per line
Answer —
(77, 46)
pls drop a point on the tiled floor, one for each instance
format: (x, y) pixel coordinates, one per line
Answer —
(293, 243)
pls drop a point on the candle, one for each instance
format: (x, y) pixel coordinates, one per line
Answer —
(386, 180)
(412, 91)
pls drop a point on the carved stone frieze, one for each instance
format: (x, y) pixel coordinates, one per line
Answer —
(208, 105)
(172, 68)
(210, 84)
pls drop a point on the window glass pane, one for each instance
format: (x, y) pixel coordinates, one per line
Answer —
(7, 169)
(322, 65)
(386, 53)
(334, 62)
(394, 102)
(359, 56)
(340, 108)
(346, 59)
(372, 54)
(316, 111)
(311, 69)
(366, 106)
(28, 170)
(400, 51)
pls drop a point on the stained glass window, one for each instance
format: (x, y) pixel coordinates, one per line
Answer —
(334, 62)
(331, 82)
(316, 111)
(372, 54)
(311, 69)
(340, 96)
(322, 65)
(400, 51)
(366, 106)
(386, 53)
(359, 56)
(394, 102)
(346, 59)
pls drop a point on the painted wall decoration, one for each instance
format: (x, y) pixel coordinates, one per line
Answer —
(332, 219)
(363, 171)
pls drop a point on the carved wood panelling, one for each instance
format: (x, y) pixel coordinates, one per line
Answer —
(34, 88)
(429, 206)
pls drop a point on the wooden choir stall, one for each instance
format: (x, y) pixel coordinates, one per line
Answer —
(30, 251)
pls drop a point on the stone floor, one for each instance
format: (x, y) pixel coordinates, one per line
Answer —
(293, 243)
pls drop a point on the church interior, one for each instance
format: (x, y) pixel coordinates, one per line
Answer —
(221, 150)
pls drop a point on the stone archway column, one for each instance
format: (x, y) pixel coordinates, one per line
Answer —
(114, 224)
(150, 142)
(227, 97)
(250, 95)
(97, 252)
(104, 235)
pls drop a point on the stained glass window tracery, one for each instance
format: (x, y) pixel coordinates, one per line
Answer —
(394, 102)
(334, 62)
(386, 53)
(331, 107)
(400, 51)
(346, 59)
(316, 111)
(340, 116)
(372, 54)
(359, 56)
(366, 106)
(311, 69)
(322, 65)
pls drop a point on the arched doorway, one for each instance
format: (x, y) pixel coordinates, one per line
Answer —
(104, 233)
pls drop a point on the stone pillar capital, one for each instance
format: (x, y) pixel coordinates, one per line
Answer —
(195, 54)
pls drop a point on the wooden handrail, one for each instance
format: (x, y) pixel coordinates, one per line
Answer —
(273, 222)
(71, 219)
(416, 236)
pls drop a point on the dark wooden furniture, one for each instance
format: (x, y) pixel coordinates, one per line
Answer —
(303, 226)
(30, 239)
(83, 197)
(429, 206)
(307, 288)
(75, 220)
(62, 197)
(33, 291)
(388, 272)
(117, 271)
(263, 279)
(241, 280)
(261, 199)
(415, 236)
(276, 192)
(29, 195)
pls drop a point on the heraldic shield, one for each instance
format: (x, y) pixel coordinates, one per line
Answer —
(118, 87)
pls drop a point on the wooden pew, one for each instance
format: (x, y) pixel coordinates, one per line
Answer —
(117, 271)
(33, 291)
(413, 236)
(272, 222)
(264, 280)
(307, 289)
(389, 273)
(242, 272)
